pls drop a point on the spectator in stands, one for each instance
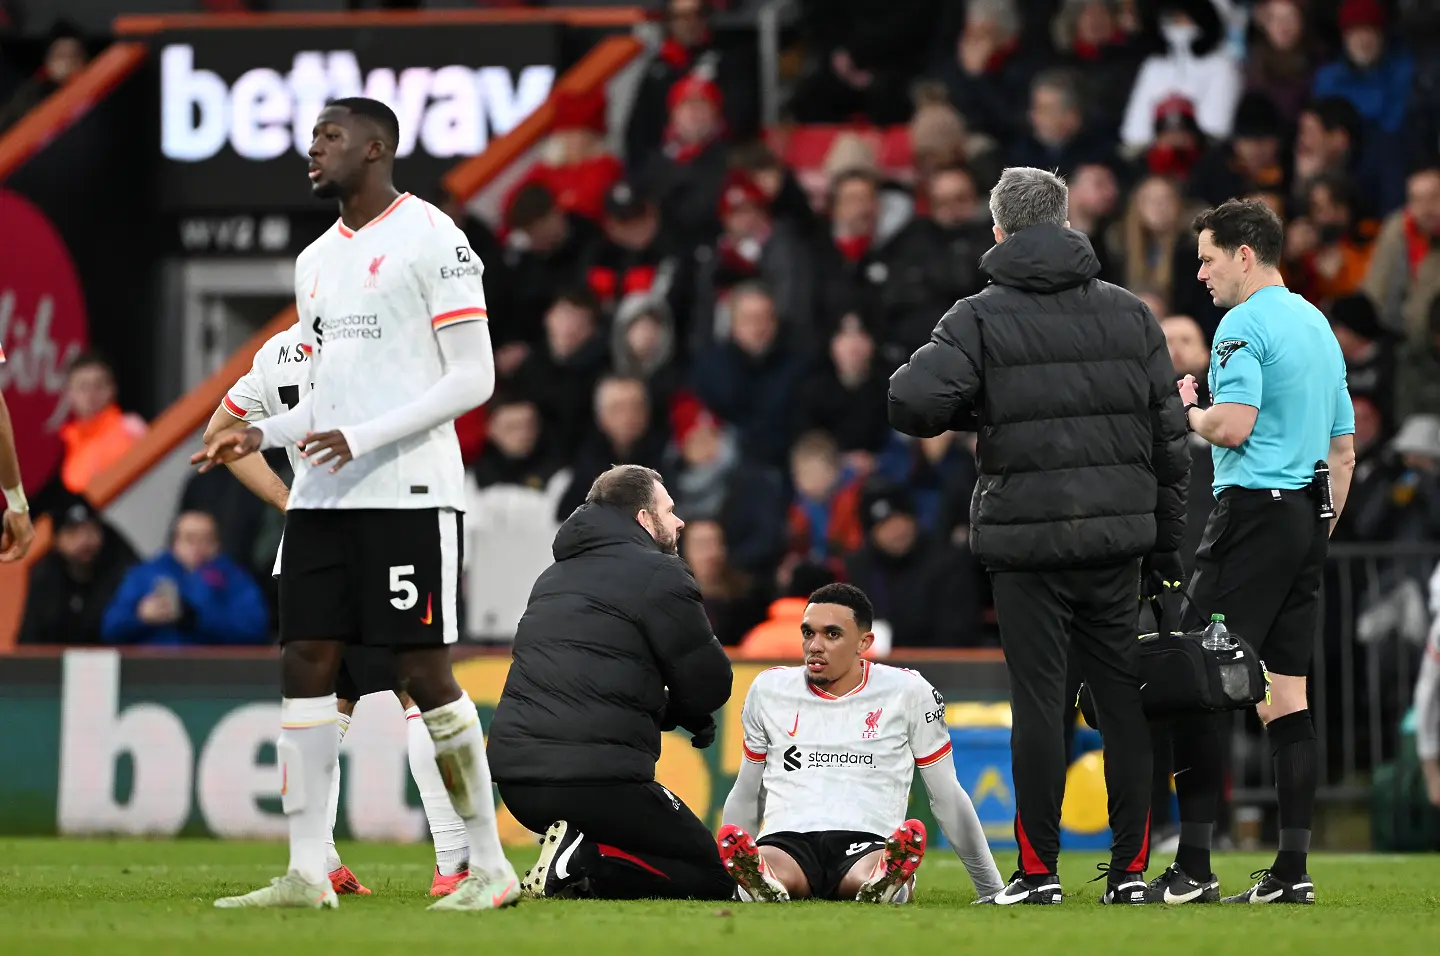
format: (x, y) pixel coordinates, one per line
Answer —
(98, 433)
(1369, 350)
(1178, 143)
(576, 164)
(914, 580)
(1191, 63)
(1376, 80)
(544, 251)
(642, 341)
(1404, 275)
(751, 381)
(846, 396)
(685, 176)
(1091, 41)
(958, 226)
(734, 603)
(1094, 199)
(1417, 376)
(753, 246)
(73, 584)
(1057, 138)
(636, 254)
(1153, 246)
(824, 521)
(1191, 356)
(709, 480)
(65, 57)
(986, 68)
(189, 595)
(691, 46)
(516, 451)
(930, 469)
(1327, 252)
(560, 378)
(1282, 51)
(864, 59)
(626, 434)
(941, 139)
(784, 196)
(1400, 499)
(1249, 162)
(1330, 139)
(239, 515)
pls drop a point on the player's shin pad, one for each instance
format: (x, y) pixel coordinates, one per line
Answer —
(455, 768)
(455, 755)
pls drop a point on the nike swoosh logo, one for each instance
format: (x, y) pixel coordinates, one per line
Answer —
(562, 862)
(426, 618)
(1267, 898)
(1004, 897)
(797, 725)
(315, 286)
(1173, 897)
(499, 897)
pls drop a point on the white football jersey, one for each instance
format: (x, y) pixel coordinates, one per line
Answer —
(370, 302)
(841, 763)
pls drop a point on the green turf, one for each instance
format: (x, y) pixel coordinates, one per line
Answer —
(116, 898)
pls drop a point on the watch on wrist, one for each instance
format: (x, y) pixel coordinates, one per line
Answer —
(1186, 413)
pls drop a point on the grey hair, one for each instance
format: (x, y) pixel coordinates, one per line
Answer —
(1026, 197)
(1000, 12)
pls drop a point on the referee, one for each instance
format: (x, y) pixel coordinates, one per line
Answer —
(1280, 408)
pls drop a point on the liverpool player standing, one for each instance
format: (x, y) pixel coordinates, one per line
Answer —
(833, 747)
(280, 371)
(393, 311)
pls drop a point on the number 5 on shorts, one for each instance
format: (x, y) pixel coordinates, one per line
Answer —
(405, 593)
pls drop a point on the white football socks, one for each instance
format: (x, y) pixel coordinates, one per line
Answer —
(308, 749)
(460, 756)
(332, 809)
(452, 846)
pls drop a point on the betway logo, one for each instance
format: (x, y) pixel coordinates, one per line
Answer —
(449, 111)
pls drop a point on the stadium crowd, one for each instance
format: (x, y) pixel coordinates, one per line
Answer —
(725, 304)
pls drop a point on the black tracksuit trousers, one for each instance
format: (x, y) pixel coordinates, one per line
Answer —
(650, 845)
(1045, 616)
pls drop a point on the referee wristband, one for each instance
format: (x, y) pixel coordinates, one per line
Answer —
(1186, 413)
(15, 500)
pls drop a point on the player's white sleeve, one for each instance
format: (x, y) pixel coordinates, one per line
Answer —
(245, 400)
(953, 809)
(955, 812)
(450, 276)
(1427, 685)
(467, 382)
(287, 428)
(744, 805)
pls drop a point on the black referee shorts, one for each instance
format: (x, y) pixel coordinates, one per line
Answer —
(1261, 563)
(378, 577)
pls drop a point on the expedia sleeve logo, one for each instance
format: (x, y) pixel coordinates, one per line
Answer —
(796, 759)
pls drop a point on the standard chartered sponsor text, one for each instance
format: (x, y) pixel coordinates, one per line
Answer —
(354, 326)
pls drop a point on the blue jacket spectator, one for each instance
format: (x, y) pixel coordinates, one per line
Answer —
(191, 595)
(1375, 79)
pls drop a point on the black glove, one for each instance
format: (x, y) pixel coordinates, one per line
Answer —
(1161, 574)
(702, 731)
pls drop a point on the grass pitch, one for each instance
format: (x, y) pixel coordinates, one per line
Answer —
(118, 898)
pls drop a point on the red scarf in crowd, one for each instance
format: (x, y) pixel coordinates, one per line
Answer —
(853, 248)
(1417, 244)
(679, 56)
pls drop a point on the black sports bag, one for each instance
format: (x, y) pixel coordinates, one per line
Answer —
(1180, 676)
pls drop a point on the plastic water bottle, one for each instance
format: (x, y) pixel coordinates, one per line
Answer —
(1216, 637)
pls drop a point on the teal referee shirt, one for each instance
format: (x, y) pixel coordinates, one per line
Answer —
(1276, 352)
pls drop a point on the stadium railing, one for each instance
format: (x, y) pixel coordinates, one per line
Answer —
(190, 412)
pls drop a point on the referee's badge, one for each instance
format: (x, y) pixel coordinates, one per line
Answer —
(1228, 348)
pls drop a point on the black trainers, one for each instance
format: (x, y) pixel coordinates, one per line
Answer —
(1039, 889)
(1271, 889)
(1122, 886)
(563, 870)
(1175, 886)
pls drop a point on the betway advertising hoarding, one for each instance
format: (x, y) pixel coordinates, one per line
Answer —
(237, 106)
(96, 743)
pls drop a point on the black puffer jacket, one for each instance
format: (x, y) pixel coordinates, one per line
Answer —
(610, 626)
(1068, 381)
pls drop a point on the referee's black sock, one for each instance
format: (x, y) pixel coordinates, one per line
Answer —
(1292, 746)
(1198, 771)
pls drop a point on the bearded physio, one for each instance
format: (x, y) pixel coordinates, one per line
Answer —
(1282, 430)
